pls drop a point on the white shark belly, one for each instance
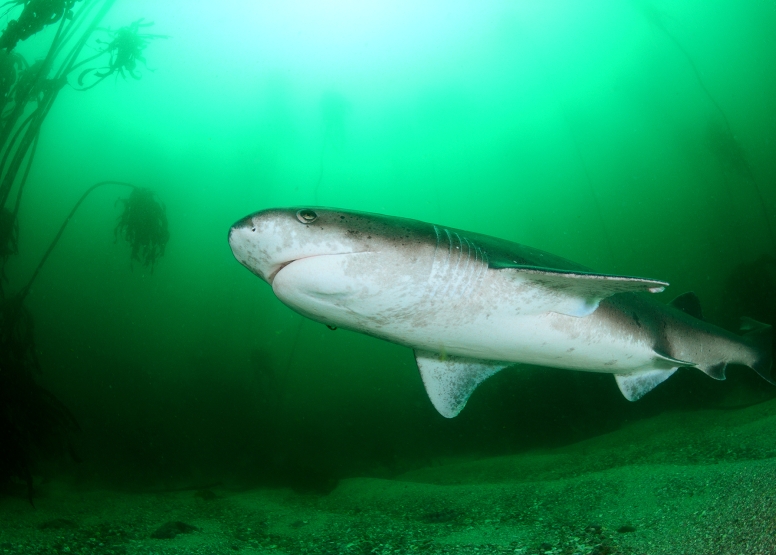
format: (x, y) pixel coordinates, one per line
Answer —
(481, 324)
(534, 339)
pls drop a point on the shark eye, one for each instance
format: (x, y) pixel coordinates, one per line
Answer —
(306, 216)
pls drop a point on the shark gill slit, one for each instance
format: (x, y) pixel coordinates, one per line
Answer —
(453, 281)
(466, 273)
(444, 273)
(470, 270)
(483, 266)
(436, 276)
(483, 263)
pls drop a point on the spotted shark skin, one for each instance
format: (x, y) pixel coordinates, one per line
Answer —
(470, 305)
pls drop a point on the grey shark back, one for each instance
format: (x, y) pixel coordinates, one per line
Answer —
(469, 304)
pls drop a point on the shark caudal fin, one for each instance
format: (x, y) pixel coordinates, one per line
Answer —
(756, 352)
(760, 337)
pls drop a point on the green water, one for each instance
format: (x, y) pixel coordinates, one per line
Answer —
(632, 138)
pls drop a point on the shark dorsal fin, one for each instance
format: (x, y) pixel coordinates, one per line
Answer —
(576, 293)
(689, 303)
(450, 380)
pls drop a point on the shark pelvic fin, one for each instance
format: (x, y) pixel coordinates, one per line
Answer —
(578, 293)
(450, 380)
(637, 384)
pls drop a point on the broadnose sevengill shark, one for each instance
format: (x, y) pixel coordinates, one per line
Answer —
(470, 305)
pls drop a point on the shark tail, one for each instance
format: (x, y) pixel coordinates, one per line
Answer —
(760, 337)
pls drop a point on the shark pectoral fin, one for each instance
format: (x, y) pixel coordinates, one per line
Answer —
(578, 293)
(450, 381)
(637, 384)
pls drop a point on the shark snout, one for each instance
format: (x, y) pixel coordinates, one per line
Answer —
(246, 222)
(243, 244)
(267, 241)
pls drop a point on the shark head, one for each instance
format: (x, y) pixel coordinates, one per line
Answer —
(269, 241)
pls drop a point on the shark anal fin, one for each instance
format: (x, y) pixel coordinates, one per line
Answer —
(637, 384)
(450, 381)
(689, 303)
(716, 371)
(577, 293)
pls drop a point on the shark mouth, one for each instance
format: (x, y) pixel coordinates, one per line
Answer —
(271, 276)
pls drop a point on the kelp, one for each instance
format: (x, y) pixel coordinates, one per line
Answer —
(30, 85)
(17, 336)
(124, 50)
(9, 234)
(9, 241)
(726, 148)
(720, 136)
(36, 15)
(34, 424)
(11, 64)
(40, 83)
(143, 224)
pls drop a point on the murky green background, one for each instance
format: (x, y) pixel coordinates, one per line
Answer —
(608, 132)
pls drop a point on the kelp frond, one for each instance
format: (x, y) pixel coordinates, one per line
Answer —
(143, 223)
(124, 50)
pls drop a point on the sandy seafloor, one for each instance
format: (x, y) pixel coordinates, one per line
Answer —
(679, 483)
